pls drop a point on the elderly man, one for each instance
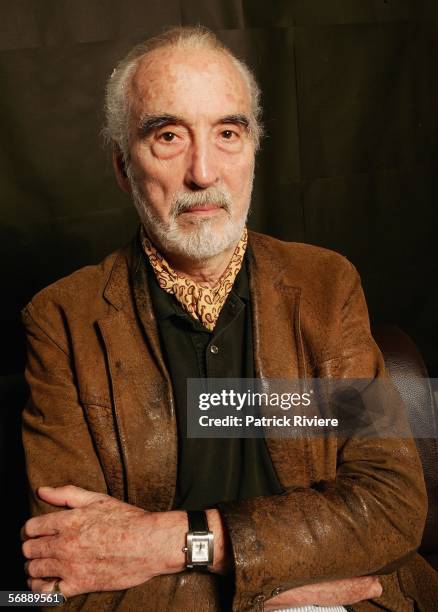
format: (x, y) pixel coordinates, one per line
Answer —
(117, 488)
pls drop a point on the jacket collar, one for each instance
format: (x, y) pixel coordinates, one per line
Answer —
(128, 260)
(265, 268)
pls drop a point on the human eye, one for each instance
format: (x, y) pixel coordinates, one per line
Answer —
(169, 141)
(167, 136)
(230, 138)
(229, 134)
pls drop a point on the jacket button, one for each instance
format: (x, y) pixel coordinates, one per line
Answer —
(276, 591)
(214, 349)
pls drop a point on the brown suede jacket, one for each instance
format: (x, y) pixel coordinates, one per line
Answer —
(101, 416)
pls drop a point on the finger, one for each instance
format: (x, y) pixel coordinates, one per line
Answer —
(363, 586)
(45, 525)
(54, 585)
(69, 495)
(334, 592)
(358, 589)
(375, 589)
(42, 568)
(37, 548)
(38, 585)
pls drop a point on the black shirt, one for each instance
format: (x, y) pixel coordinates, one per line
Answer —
(215, 469)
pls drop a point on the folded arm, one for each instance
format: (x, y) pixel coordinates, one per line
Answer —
(102, 544)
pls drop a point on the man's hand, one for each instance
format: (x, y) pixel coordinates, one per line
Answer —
(335, 592)
(100, 543)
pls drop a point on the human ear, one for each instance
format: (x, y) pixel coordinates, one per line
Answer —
(119, 166)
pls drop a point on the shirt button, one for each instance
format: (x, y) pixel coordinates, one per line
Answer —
(214, 349)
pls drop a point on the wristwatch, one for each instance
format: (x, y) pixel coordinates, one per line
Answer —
(199, 543)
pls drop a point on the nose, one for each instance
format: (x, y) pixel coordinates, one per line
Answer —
(202, 167)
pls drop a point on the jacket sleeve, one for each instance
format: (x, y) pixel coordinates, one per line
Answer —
(57, 444)
(53, 419)
(367, 519)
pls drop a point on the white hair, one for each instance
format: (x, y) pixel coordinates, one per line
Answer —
(117, 108)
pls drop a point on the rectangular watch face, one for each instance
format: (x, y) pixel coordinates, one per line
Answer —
(200, 550)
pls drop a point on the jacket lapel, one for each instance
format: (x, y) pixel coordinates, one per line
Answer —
(278, 347)
(142, 394)
(276, 313)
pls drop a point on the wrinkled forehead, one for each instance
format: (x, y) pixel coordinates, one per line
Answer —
(188, 82)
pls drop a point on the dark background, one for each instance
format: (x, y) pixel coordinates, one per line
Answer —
(349, 161)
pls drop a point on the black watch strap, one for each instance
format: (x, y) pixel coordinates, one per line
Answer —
(197, 521)
(199, 543)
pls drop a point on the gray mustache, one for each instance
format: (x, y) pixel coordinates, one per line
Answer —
(183, 201)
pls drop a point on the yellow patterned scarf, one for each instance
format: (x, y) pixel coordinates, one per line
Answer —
(202, 302)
